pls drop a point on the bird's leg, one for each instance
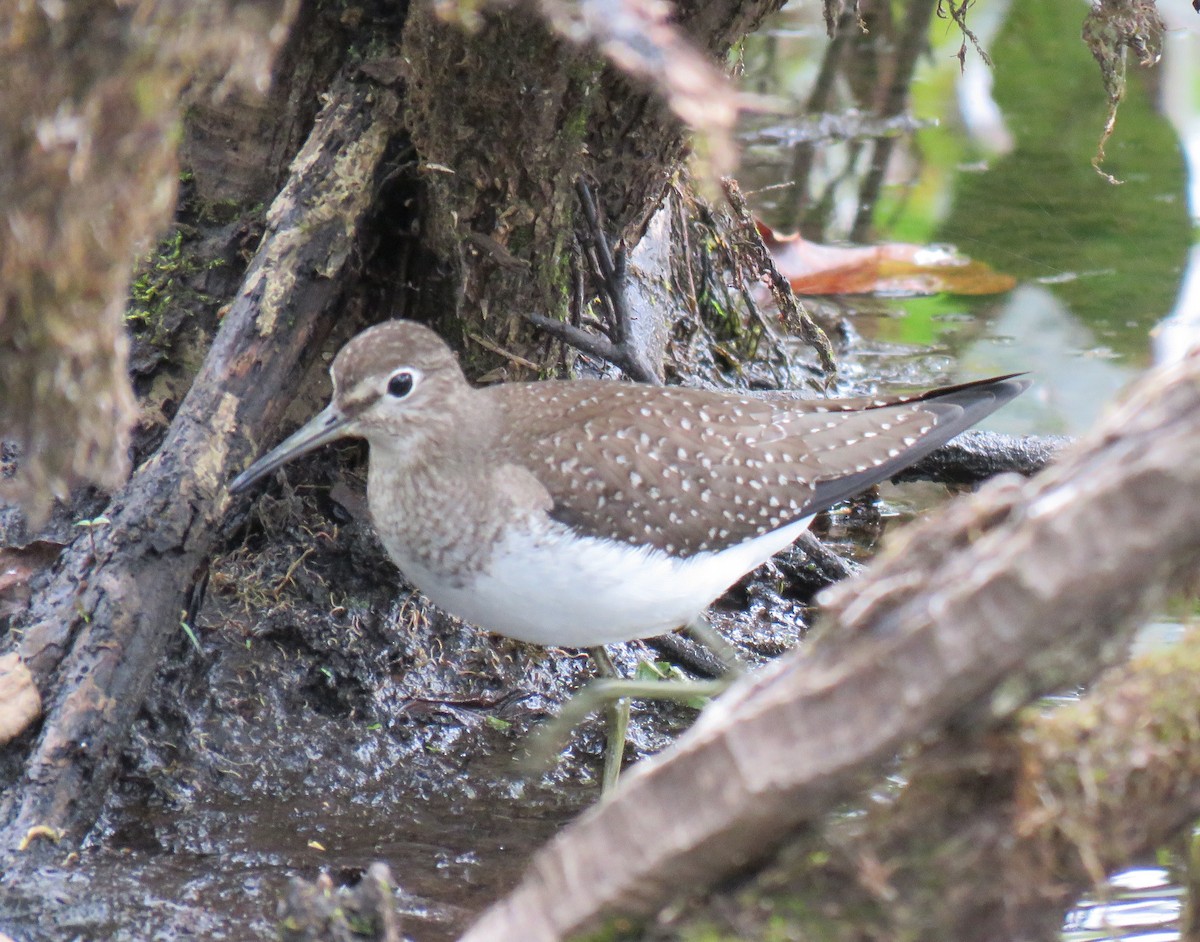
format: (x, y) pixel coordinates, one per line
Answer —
(614, 693)
(548, 740)
(617, 724)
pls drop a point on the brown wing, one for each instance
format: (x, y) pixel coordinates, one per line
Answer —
(691, 470)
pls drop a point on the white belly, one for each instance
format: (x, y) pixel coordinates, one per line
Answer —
(555, 588)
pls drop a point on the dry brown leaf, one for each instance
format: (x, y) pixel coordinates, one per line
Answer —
(895, 268)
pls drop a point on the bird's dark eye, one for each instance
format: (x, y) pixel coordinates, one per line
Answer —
(401, 384)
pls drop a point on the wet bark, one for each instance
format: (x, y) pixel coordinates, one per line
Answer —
(975, 456)
(500, 158)
(1026, 588)
(997, 836)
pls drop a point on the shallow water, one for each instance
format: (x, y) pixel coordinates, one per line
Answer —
(1002, 170)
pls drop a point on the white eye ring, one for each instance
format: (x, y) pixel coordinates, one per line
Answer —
(402, 382)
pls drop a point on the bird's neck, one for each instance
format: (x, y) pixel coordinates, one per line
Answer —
(425, 481)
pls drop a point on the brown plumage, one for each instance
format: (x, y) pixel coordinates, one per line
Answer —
(689, 471)
(586, 512)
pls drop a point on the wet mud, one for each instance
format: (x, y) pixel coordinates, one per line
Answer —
(316, 716)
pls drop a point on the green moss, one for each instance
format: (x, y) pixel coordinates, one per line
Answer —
(161, 288)
(158, 280)
(584, 72)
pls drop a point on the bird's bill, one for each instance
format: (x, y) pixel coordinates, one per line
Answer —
(323, 427)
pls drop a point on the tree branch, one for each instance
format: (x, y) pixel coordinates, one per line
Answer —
(99, 628)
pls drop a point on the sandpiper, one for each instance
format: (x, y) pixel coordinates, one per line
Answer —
(580, 513)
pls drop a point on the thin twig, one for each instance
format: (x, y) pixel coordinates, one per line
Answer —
(958, 13)
(618, 348)
(500, 351)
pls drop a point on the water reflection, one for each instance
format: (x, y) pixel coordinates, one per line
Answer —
(1064, 401)
(1180, 97)
(997, 161)
(1000, 167)
(1143, 905)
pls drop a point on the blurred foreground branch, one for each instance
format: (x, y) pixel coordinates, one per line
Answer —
(88, 175)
